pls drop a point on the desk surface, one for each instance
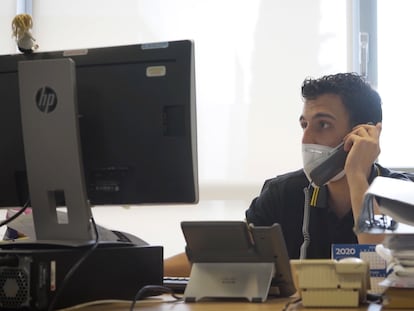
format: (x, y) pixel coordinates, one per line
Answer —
(165, 303)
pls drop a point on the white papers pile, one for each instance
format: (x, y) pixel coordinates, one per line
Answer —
(395, 200)
(400, 259)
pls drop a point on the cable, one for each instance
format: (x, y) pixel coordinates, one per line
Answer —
(289, 304)
(157, 289)
(305, 224)
(13, 217)
(75, 267)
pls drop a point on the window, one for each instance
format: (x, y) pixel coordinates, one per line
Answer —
(395, 82)
(388, 26)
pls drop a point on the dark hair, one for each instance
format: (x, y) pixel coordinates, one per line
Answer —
(361, 101)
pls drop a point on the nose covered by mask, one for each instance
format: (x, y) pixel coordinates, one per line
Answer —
(313, 155)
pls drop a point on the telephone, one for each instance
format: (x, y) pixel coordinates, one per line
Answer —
(342, 283)
(330, 167)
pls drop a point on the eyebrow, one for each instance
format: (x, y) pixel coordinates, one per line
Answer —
(319, 115)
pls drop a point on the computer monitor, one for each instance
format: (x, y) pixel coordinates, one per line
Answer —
(137, 124)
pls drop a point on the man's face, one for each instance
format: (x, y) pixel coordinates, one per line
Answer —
(324, 121)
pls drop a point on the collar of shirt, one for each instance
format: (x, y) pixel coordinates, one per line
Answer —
(319, 195)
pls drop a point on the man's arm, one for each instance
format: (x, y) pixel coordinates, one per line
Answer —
(177, 265)
(357, 191)
(363, 146)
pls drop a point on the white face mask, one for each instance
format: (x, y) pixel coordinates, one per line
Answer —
(313, 155)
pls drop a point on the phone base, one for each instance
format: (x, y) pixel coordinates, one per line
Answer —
(331, 283)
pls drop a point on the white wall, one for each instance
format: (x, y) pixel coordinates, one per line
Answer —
(251, 58)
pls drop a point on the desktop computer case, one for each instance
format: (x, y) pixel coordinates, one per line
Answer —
(30, 278)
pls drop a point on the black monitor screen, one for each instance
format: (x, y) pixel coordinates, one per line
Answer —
(137, 124)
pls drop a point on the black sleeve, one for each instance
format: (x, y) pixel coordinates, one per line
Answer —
(263, 210)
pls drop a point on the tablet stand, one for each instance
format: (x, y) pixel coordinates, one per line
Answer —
(233, 260)
(249, 280)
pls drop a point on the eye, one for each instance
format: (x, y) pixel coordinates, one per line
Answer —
(324, 124)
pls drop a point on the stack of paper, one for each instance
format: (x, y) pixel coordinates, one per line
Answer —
(394, 199)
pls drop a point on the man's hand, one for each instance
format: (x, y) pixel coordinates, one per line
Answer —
(363, 146)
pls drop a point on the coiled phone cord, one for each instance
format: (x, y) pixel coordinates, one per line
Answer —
(305, 224)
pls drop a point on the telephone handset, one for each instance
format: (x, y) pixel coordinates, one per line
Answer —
(329, 168)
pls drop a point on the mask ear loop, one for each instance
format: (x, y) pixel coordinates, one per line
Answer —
(305, 223)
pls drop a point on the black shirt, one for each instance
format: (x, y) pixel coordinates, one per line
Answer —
(282, 201)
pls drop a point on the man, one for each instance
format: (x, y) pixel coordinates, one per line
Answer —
(337, 108)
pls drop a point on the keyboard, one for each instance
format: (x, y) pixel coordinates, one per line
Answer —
(177, 284)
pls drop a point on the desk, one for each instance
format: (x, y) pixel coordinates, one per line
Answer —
(165, 304)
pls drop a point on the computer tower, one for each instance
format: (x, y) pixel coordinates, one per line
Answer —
(30, 278)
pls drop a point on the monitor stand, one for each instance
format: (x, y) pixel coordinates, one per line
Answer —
(53, 151)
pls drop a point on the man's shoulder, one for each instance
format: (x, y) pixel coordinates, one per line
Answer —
(295, 178)
(393, 173)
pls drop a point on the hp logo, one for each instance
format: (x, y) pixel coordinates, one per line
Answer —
(46, 99)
